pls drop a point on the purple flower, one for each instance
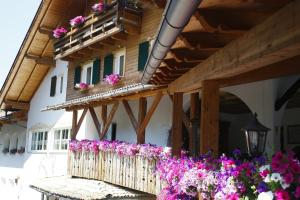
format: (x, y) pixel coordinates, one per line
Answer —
(59, 32)
(98, 7)
(112, 79)
(77, 21)
(262, 187)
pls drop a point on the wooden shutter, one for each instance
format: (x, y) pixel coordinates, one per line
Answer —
(108, 65)
(77, 76)
(53, 86)
(96, 71)
(143, 55)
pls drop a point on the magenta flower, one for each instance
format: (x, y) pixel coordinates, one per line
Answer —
(98, 7)
(59, 32)
(282, 195)
(112, 79)
(297, 192)
(76, 21)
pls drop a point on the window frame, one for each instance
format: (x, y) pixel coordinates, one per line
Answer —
(43, 150)
(52, 149)
(84, 69)
(116, 65)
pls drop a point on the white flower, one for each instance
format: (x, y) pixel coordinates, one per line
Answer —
(263, 168)
(267, 179)
(284, 185)
(276, 177)
(265, 196)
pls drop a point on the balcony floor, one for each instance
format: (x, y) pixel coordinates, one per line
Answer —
(78, 188)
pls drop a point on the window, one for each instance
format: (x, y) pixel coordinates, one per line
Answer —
(61, 84)
(87, 73)
(53, 86)
(39, 140)
(119, 63)
(61, 139)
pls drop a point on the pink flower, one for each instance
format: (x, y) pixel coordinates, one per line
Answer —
(112, 79)
(282, 195)
(297, 192)
(59, 32)
(98, 7)
(77, 21)
(234, 196)
(264, 173)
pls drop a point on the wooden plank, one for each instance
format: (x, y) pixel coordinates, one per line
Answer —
(209, 134)
(267, 43)
(177, 124)
(109, 120)
(150, 112)
(130, 115)
(74, 124)
(95, 120)
(104, 114)
(16, 105)
(141, 117)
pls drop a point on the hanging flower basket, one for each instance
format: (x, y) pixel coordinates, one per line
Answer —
(59, 32)
(112, 79)
(98, 8)
(77, 21)
(5, 150)
(21, 150)
(83, 87)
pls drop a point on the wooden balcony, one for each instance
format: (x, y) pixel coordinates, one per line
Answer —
(133, 172)
(98, 32)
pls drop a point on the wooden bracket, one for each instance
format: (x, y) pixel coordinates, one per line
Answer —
(130, 114)
(109, 120)
(96, 121)
(41, 60)
(76, 125)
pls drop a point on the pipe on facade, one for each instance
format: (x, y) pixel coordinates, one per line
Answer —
(176, 15)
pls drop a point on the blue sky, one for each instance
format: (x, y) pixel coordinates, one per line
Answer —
(16, 18)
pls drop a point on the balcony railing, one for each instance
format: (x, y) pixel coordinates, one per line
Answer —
(98, 28)
(133, 172)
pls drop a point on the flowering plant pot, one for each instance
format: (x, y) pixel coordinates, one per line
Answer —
(98, 8)
(13, 151)
(21, 150)
(112, 79)
(5, 150)
(59, 32)
(82, 87)
(77, 22)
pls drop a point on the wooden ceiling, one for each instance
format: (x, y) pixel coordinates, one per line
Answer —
(214, 24)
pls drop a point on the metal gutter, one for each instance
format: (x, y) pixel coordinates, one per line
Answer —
(176, 16)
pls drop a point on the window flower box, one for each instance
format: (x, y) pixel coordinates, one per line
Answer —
(21, 150)
(112, 79)
(5, 150)
(82, 87)
(59, 32)
(13, 151)
(77, 21)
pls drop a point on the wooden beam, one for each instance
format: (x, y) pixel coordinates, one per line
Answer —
(74, 124)
(209, 134)
(148, 116)
(194, 118)
(41, 60)
(177, 124)
(104, 114)
(80, 121)
(16, 105)
(141, 117)
(287, 95)
(95, 120)
(109, 120)
(267, 43)
(130, 114)
(185, 118)
(46, 30)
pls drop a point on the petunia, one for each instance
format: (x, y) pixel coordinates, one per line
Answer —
(282, 195)
(265, 196)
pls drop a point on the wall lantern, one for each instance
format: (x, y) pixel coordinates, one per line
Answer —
(256, 136)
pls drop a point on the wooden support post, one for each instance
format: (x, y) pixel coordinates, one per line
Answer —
(177, 124)
(96, 121)
(147, 118)
(130, 114)
(209, 134)
(194, 118)
(109, 120)
(104, 114)
(74, 124)
(142, 115)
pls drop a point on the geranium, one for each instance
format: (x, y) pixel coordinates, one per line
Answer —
(77, 21)
(112, 79)
(98, 7)
(82, 86)
(59, 32)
